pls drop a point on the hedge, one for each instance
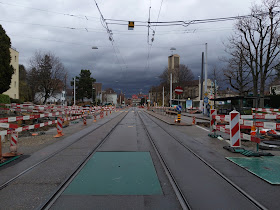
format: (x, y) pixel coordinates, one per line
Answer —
(4, 99)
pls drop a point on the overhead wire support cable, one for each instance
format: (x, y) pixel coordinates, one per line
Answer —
(110, 34)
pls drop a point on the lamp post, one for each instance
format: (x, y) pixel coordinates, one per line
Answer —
(92, 93)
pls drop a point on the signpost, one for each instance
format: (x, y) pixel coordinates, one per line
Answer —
(179, 90)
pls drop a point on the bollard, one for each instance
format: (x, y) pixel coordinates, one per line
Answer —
(59, 128)
(235, 140)
(94, 117)
(179, 117)
(85, 120)
(14, 140)
(13, 146)
(193, 121)
(213, 113)
(213, 134)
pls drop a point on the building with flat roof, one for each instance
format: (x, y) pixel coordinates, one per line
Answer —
(173, 65)
(13, 92)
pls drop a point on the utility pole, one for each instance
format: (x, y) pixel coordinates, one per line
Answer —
(74, 91)
(201, 84)
(170, 89)
(205, 67)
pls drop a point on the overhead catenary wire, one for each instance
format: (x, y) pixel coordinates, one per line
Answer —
(110, 35)
(86, 17)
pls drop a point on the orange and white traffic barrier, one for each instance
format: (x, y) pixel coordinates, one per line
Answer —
(85, 120)
(94, 115)
(253, 131)
(59, 128)
(193, 120)
(235, 140)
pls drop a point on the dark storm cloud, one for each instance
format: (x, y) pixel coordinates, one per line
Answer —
(71, 38)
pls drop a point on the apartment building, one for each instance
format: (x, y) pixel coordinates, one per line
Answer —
(13, 92)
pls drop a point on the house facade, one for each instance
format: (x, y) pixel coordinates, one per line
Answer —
(13, 92)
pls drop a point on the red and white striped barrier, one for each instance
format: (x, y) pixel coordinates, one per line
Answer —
(235, 140)
(213, 112)
(39, 125)
(13, 141)
(85, 120)
(59, 128)
(265, 110)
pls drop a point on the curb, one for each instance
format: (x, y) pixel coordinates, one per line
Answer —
(201, 118)
(176, 124)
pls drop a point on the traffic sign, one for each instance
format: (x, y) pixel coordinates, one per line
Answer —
(179, 90)
(179, 108)
(206, 100)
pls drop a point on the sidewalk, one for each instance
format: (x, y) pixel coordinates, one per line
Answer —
(167, 118)
(197, 116)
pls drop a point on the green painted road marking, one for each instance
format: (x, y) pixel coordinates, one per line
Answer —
(267, 168)
(9, 160)
(117, 173)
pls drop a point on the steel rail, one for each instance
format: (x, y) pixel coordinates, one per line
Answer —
(69, 179)
(245, 194)
(180, 196)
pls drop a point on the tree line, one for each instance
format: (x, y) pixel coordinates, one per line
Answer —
(252, 62)
(45, 74)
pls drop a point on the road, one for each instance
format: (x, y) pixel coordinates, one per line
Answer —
(142, 162)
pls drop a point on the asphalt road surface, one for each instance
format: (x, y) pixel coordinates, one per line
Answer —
(187, 168)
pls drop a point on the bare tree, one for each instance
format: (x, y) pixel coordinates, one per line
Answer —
(46, 74)
(258, 40)
(216, 74)
(238, 73)
(180, 76)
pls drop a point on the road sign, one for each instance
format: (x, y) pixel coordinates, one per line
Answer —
(179, 108)
(206, 100)
(178, 90)
(130, 25)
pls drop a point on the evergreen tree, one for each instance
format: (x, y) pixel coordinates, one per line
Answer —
(84, 84)
(6, 69)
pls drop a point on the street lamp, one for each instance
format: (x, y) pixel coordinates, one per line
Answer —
(92, 93)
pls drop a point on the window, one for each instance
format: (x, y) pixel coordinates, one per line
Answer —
(15, 84)
(15, 58)
(15, 95)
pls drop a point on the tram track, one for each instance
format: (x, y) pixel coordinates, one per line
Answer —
(180, 196)
(68, 180)
(242, 192)
(7, 183)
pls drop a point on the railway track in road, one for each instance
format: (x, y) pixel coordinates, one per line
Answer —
(4, 185)
(66, 183)
(183, 200)
(63, 186)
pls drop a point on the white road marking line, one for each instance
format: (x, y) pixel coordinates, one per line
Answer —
(202, 128)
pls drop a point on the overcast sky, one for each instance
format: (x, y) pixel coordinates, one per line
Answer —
(50, 26)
